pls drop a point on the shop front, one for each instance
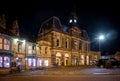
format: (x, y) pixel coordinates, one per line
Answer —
(5, 63)
(31, 62)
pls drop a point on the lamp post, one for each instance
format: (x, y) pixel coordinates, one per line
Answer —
(101, 37)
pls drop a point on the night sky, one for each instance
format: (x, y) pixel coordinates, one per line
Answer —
(95, 17)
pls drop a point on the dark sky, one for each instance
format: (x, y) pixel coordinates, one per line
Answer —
(95, 17)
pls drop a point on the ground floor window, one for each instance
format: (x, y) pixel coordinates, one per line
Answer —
(1, 61)
(39, 63)
(32, 62)
(4, 61)
(46, 62)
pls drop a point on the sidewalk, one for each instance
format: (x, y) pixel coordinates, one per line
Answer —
(69, 70)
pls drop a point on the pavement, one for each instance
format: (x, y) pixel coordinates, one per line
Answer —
(81, 70)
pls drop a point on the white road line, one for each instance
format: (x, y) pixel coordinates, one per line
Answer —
(101, 73)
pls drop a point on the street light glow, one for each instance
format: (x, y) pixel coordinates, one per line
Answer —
(101, 37)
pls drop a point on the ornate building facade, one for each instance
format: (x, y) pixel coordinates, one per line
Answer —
(68, 45)
(5, 47)
(56, 45)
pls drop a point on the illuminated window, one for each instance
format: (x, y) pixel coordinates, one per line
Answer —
(34, 63)
(6, 62)
(20, 47)
(46, 62)
(29, 49)
(70, 21)
(39, 62)
(0, 43)
(31, 62)
(6, 44)
(82, 59)
(1, 61)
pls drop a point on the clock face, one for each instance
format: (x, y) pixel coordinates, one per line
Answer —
(75, 21)
(70, 21)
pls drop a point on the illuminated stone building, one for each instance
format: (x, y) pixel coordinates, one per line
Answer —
(5, 47)
(44, 54)
(56, 45)
(24, 51)
(67, 45)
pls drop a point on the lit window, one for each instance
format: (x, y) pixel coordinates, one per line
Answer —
(0, 43)
(29, 49)
(70, 21)
(75, 21)
(6, 62)
(46, 62)
(39, 62)
(20, 47)
(34, 63)
(1, 61)
(6, 44)
(29, 62)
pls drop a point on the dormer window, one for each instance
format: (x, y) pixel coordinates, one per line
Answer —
(70, 21)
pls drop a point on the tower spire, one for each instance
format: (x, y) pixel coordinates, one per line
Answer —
(3, 21)
(73, 17)
(15, 28)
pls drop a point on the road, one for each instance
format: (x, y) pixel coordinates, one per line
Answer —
(62, 78)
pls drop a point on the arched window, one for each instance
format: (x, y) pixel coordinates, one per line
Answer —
(57, 42)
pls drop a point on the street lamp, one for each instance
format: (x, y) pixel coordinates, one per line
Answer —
(101, 37)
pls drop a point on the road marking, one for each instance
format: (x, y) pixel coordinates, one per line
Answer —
(101, 73)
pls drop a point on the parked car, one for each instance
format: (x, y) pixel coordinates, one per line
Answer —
(108, 63)
(101, 63)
